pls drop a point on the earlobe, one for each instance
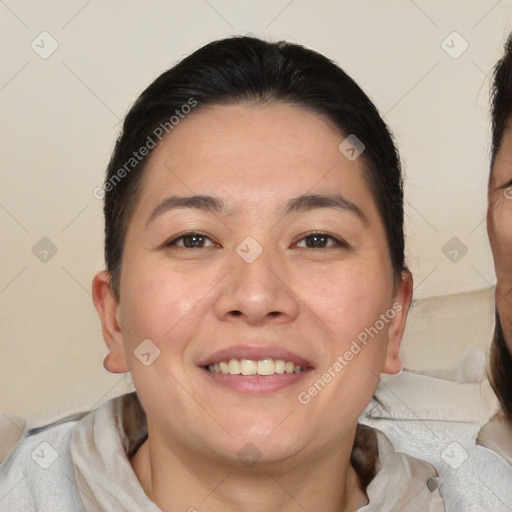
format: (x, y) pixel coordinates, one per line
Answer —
(401, 305)
(108, 310)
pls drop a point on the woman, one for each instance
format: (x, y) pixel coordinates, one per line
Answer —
(255, 289)
(497, 434)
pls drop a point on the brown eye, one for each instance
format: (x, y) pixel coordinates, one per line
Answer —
(190, 241)
(320, 241)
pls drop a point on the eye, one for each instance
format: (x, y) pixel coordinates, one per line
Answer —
(316, 240)
(190, 240)
(320, 240)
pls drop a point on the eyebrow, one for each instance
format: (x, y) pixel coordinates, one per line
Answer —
(305, 202)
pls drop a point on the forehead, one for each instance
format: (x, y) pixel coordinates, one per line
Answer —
(253, 155)
(272, 134)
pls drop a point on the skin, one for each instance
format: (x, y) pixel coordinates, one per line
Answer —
(192, 302)
(499, 227)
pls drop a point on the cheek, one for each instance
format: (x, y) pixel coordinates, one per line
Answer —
(500, 236)
(156, 300)
(349, 302)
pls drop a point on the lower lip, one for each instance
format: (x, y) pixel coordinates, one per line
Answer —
(256, 384)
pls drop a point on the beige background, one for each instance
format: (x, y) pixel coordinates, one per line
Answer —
(61, 114)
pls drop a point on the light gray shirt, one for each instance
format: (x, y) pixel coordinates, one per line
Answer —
(82, 464)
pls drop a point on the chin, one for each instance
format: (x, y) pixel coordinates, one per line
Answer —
(269, 440)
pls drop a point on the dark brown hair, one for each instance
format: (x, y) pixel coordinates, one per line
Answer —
(500, 375)
(501, 111)
(249, 70)
(501, 98)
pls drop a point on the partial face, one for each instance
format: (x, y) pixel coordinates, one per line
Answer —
(499, 225)
(241, 283)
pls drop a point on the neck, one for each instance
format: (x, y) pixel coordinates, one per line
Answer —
(182, 481)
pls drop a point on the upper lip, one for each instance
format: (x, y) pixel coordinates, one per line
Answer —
(254, 353)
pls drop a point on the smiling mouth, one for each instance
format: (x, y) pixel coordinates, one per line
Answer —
(262, 367)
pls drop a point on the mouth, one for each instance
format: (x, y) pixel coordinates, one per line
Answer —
(262, 367)
(255, 369)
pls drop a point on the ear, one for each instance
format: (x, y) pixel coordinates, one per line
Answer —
(401, 304)
(108, 308)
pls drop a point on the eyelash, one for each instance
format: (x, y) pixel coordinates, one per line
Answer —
(337, 242)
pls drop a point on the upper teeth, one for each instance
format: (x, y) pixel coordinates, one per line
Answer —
(250, 367)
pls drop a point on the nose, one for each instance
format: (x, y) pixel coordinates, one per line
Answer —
(258, 292)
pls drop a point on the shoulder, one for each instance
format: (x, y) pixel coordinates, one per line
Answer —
(402, 482)
(437, 418)
(496, 435)
(36, 471)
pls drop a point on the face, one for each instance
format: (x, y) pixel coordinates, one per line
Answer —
(243, 277)
(499, 225)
